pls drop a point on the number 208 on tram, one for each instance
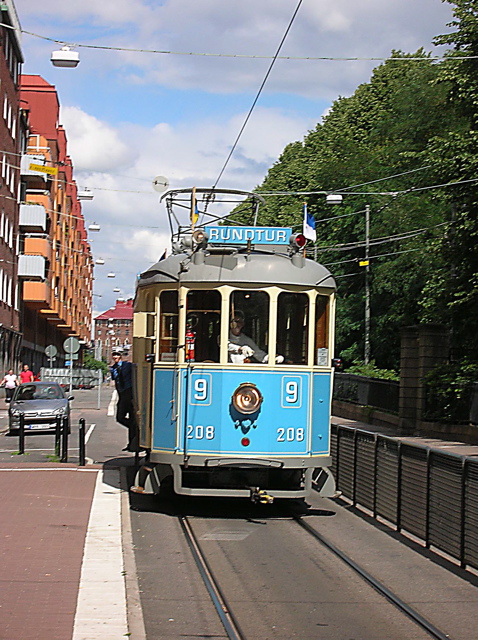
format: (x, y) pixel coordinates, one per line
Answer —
(233, 338)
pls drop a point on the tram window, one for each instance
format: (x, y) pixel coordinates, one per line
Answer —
(168, 323)
(292, 321)
(321, 352)
(249, 315)
(203, 320)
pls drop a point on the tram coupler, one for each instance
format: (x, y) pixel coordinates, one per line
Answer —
(260, 496)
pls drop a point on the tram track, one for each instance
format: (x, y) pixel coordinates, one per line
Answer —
(395, 600)
(229, 622)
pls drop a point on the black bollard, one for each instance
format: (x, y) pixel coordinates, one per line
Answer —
(21, 434)
(81, 442)
(64, 441)
(57, 436)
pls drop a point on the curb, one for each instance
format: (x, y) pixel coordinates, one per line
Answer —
(133, 599)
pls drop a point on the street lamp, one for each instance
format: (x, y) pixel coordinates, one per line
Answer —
(94, 227)
(65, 57)
(333, 198)
(86, 194)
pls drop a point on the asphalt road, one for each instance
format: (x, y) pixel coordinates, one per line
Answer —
(281, 583)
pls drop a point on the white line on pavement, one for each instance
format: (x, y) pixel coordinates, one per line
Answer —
(101, 606)
(112, 404)
(89, 432)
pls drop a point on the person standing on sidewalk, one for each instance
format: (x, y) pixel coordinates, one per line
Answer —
(122, 374)
(10, 381)
(26, 375)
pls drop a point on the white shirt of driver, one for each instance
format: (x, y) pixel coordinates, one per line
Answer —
(243, 341)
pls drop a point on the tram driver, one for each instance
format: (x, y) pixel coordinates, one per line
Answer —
(243, 349)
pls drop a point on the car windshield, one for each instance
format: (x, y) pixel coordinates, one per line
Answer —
(39, 392)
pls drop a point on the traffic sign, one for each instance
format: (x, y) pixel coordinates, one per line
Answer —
(51, 351)
(71, 345)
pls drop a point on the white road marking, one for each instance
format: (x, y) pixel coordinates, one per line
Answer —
(101, 606)
(112, 404)
(89, 432)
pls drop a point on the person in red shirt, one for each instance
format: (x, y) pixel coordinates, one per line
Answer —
(26, 375)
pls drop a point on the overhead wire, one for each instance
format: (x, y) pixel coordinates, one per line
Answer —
(258, 94)
(428, 58)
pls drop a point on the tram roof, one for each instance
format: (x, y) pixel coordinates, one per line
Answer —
(254, 268)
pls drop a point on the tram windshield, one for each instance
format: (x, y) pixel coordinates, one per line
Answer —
(249, 327)
(292, 327)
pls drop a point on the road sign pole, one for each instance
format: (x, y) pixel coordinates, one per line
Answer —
(100, 380)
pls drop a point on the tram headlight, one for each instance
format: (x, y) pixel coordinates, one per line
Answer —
(247, 398)
(200, 237)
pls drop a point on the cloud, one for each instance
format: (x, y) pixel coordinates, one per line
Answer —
(331, 28)
(93, 145)
(134, 226)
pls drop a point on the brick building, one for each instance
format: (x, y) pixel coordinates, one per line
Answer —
(55, 261)
(114, 329)
(12, 138)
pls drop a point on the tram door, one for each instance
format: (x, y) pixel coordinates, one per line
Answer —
(203, 322)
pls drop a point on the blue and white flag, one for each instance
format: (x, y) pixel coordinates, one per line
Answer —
(309, 225)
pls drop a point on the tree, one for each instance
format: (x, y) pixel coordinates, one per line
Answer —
(452, 292)
(383, 129)
(89, 362)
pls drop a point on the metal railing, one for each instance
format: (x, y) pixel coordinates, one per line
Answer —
(79, 378)
(426, 492)
(373, 392)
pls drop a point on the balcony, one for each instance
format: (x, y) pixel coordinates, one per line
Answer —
(29, 160)
(32, 217)
(31, 267)
(37, 245)
(36, 294)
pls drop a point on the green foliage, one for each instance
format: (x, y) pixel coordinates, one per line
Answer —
(417, 122)
(381, 130)
(448, 391)
(90, 363)
(370, 370)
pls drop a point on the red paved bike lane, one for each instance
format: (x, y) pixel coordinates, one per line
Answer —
(44, 517)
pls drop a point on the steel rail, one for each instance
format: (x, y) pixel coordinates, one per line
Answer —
(375, 584)
(226, 616)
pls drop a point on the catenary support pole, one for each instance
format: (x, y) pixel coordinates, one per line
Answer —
(367, 285)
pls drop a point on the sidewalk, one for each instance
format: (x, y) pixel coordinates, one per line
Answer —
(61, 560)
(66, 555)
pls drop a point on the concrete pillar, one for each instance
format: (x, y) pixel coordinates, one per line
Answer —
(408, 396)
(434, 349)
(422, 348)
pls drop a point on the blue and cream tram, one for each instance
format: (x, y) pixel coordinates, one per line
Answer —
(233, 340)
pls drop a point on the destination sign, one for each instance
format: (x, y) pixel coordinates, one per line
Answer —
(242, 235)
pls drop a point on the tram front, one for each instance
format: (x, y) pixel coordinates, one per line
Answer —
(233, 340)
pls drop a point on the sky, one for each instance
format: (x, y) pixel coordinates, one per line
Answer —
(131, 116)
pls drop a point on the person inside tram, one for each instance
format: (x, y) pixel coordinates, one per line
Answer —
(243, 349)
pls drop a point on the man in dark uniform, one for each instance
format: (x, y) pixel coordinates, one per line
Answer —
(122, 374)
